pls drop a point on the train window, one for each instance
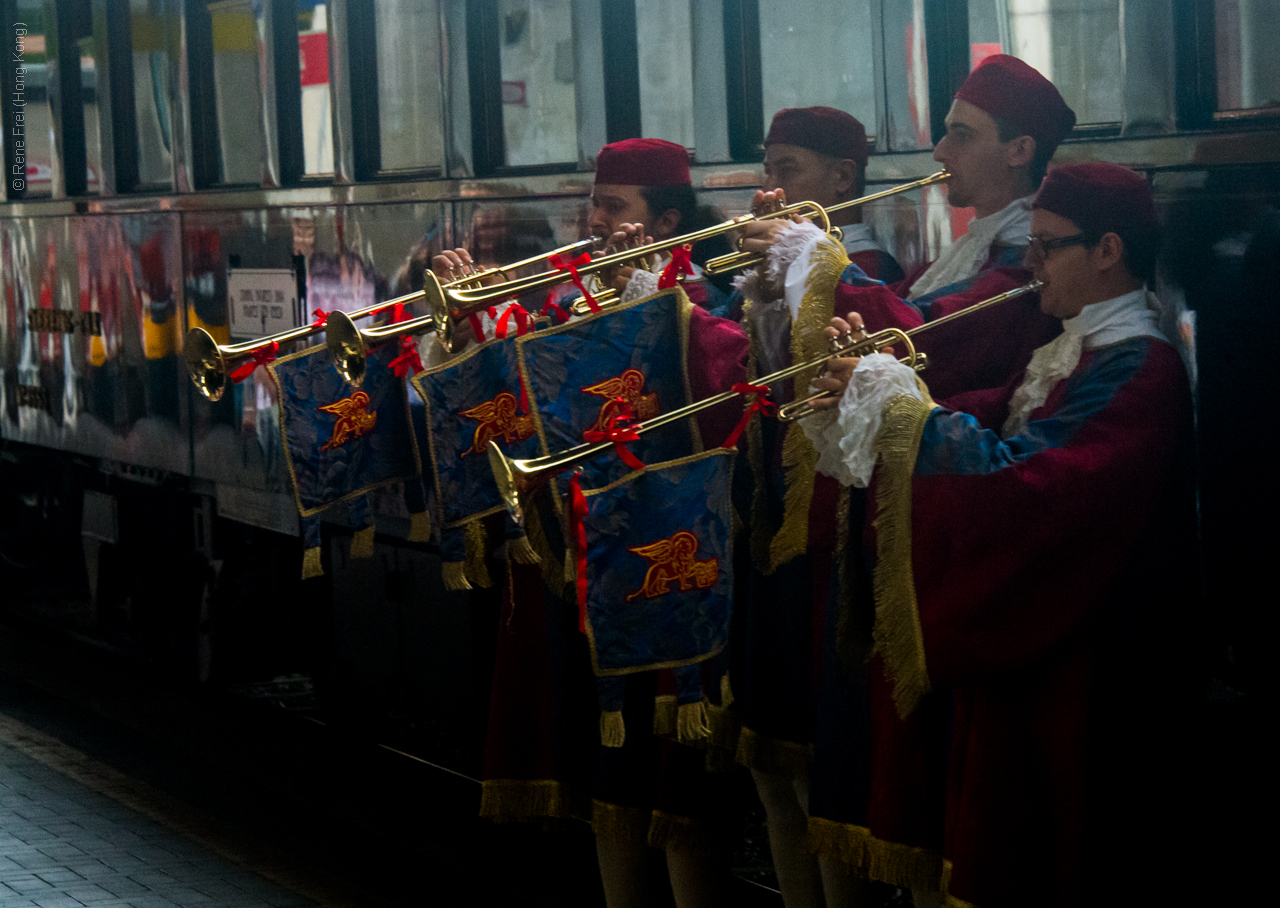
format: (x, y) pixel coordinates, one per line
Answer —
(239, 90)
(539, 81)
(1075, 45)
(819, 52)
(1248, 68)
(313, 60)
(665, 54)
(37, 119)
(409, 97)
(152, 110)
(906, 78)
(91, 53)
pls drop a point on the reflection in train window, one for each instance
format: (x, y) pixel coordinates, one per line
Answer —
(151, 91)
(409, 117)
(665, 45)
(1074, 45)
(906, 78)
(539, 91)
(313, 58)
(239, 87)
(1247, 63)
(818, 52)
(37, 122)
(91, 48)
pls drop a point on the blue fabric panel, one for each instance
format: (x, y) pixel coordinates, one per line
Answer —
(328, 466)
(486, 384)
(670, 601)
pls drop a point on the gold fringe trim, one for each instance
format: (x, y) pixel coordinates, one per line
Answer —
(723, 728)
(774, 755)
(615, 823)
(420, 527)
(799, 466)
(670, 831)
(455, 576)
(953, 902)
(311, 566)
(516, 800)
(664, 715)
(613, 733)
(904, 866)
(691, 723)
(477, 550)
(521, 551)
(552, 572)
(897, 634)
(362, 543)
(726, 692)
(570, 566)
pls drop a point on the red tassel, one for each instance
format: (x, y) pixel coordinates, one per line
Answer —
(619, 431)
(679, 264)
(578, 507)
(560, 263)
(761, 404)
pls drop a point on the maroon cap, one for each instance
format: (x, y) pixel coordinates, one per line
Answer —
(1099, 198)
(822, 129)
(1007, 88)
(643, 162)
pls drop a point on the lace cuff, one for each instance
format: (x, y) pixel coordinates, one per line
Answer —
(643, 283)
(844, 437)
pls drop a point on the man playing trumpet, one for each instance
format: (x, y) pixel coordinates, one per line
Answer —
(1031, 551)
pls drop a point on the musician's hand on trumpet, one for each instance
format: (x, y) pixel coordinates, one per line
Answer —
(758, 237)
(627, 236)
(839, 370)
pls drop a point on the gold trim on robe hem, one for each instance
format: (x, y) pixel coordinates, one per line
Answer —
(624, 825)
(521, 800)
(897, 633)
(905, 866)
(774, 755)
(672, 831)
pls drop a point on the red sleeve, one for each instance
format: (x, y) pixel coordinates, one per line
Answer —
(717, 361)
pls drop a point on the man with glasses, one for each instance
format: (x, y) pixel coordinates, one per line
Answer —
(1034, 545)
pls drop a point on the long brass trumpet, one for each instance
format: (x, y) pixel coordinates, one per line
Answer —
(513, 477)
(210, 363)
(738, 260)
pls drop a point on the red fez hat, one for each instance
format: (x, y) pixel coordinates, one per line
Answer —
(1009, 89)
(1099, 198)
(643, 162)
(822, 129)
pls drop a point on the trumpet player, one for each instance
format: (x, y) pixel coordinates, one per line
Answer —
(1033, 546)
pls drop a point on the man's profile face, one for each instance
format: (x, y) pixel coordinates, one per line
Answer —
(804, 175)
(612, 205)
(1067, 273)
(977, 159)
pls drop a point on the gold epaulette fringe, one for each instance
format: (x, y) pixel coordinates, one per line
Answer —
(773, 755)
(454, 574)
(311, 565)
(362, 543)
(664, 715)
(613, 733)
(897, 634)
(624, 825)
(521, 551)
(904, 866)
(521, 800)
(420, 527)
(552, 571)
(477, 552)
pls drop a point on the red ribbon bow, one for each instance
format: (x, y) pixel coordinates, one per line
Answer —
(560, 263)
(679, 264)
(761, 404)
(555, 311)
(261, 356)
(407, 360)
(321, 318)
(578, 511)
(619, 430)
(517, 313)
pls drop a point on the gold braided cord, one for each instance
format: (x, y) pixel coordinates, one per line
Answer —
(897, 634)
(477, 550)
(905, 866)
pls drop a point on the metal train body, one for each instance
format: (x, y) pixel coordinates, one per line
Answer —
(179, 509)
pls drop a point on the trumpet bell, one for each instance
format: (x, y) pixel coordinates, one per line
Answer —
(346, 347)
(205, 364)
(504, 476)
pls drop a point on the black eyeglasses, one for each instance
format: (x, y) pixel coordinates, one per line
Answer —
(1040, 248)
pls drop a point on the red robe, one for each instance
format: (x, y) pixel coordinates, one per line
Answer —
(1049, 574)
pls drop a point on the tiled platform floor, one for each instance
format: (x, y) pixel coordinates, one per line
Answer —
(74, 832)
